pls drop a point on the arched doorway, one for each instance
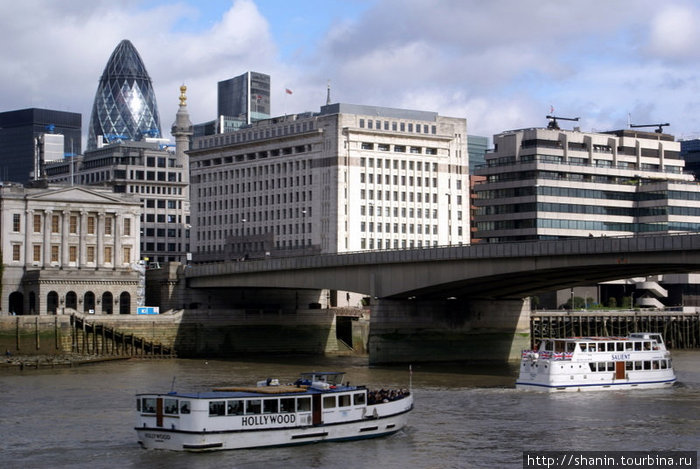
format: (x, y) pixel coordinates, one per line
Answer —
(16, 301)
(71, 300)
(107, 300)
(52, 303)
(125, 303)
(89, 302)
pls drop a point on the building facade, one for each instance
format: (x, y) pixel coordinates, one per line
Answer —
(349, 178)
(69, 249)
(19, 131)
(125, 104)
(245, 98)
(690, 152)
(546, 183)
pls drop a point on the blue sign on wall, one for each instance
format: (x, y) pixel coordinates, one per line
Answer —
(147, 310)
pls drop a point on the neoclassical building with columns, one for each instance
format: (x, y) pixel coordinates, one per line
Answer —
(69, 248)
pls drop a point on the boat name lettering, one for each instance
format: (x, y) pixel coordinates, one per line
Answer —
(620, 356)
(157, 436)
(253, 420)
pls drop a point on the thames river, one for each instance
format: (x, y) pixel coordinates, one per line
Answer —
(464, 416)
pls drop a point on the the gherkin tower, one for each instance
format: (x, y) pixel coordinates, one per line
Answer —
(125, 105)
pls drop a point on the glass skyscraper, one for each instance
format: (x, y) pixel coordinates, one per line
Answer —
(125, 105)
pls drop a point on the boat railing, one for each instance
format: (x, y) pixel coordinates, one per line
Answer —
(547, 355)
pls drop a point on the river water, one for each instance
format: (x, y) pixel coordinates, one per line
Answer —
(465, 416)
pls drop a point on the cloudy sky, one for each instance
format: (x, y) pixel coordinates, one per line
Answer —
(502, 64)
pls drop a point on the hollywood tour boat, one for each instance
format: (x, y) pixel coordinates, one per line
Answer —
(639, 360)
(317, 407)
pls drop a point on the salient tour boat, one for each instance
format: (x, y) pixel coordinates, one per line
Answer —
(597, 363)
(317, 407)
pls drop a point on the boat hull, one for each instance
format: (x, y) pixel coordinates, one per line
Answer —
(179, 440)
(602, 386)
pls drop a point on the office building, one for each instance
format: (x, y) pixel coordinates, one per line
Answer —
(546, 183)
(155, 173)
(690, 152)
(69, 249)
(19, 131)
(125, 105)
(348, 178)
(245, 98)
(477, 151)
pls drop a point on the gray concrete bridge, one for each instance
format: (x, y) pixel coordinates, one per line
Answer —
(459, 302)
(509, 270)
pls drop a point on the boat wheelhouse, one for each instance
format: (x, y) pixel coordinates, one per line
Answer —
(639, 360)
(317, 407)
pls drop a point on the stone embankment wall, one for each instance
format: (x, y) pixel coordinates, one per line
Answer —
(35, 335)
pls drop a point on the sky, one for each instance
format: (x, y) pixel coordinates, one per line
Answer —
(501, 64)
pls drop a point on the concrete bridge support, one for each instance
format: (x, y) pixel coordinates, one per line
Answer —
(421, 331)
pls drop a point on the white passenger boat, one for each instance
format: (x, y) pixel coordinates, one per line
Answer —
(317, 407)
(597, 363)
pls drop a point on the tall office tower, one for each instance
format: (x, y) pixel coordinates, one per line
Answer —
(19, 131)
(477, 151)
(349, 178)
(690, 152)
(125, 105)
(245, 98)
(546, 183)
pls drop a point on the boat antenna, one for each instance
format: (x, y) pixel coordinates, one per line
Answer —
(410, 379)
(172, 385)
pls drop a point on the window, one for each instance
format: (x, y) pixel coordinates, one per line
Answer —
(37, 223)
(73, 224)
(270, 406)
(217, 408)
(91, 225)
(15, 252)
(108, 226)
(344, 400)
(234, 407)
(126, 258)
(54, 224)
(127, 227)
(253, 406)
(359, 399)
(37, 252)
(108, 254)
(304, 404)
(287, 405)
(91, 253)
(328, 402)
(73, 253)
(54, 253)
(170, 406)
(15, 223)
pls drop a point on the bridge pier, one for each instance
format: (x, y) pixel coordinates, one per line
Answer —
(405, 331)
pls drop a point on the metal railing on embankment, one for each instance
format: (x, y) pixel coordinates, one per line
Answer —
(94, 338)
(680, 330)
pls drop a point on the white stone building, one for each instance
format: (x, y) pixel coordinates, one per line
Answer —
(349, 178)
(69, 248)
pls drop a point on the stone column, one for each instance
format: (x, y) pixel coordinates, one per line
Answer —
(47, 238)
(82, 255)
(99, 258)
(65, 234)
(28, 230)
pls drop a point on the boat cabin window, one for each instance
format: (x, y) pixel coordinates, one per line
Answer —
(570, 346)
(619, 346)
(548, 346)
(638, 346)
(663, 364)
(611, 366)
(359, 398)
(601, 366)
(628, 345)
(583, 347)
(647, 365)
(170, 406)
(328, 402)
(601, 347)
(558, 345)
(637, 365)
(629, 365)
(217, 408)
(234, 407)
(287, 405)
(270, 406)
(184, 407)
(252, 406)
(303, 404)
(344, 400)
(611, 346)
(647, 345)
(148, 405)
(592, 366)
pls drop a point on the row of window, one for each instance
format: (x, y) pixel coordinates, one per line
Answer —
(396, 196)
(280, 168)
(587, 225)
(73, 223)
(632, 365)
(588, 209)
(388, 163)
(404, 180)
(386, 228)
(399, 149)
(572, 192)
(255, 134)
(395, 126)
(598, 148)
(55, 253)
(398, 244)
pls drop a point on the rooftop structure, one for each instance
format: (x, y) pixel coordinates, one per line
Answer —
(125, 105)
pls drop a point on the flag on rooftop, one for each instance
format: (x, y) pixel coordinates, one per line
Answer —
(288, 91)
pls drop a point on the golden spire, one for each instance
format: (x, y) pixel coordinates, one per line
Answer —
(183, 97)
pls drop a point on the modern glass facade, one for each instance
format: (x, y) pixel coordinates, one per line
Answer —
(18, 129)
(125, 105)
(245, 97)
